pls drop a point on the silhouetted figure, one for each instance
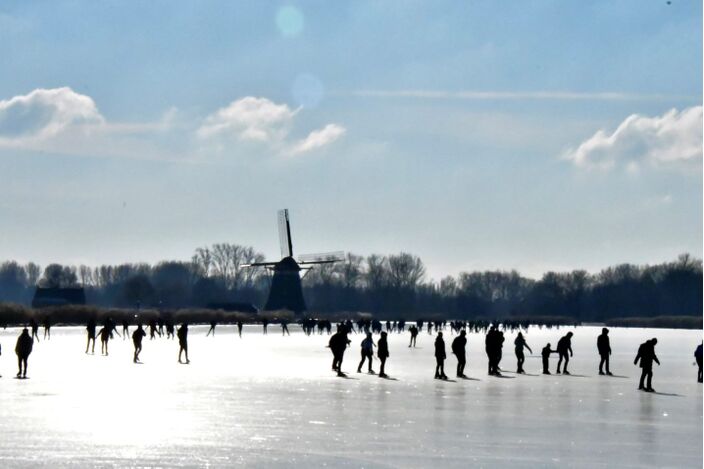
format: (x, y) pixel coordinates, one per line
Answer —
(137, 337)
(47, 327)
(564, 345)
(152, 329)
(603, 345)
(90, 329)
(646, 355)
(104, 334)
(125, 329)
(284, 328)
(212, 328)
(182, 334)
(239, 328)
(440, 357)
(459, 350)
(546, 358)
(338, 344)
(35, 329)
(382, 351)
(698, 358)
(265, 325)
(367, 351)
(520, 343)
(23, 349)
(493, 343)
(414, 334)
(170, 329)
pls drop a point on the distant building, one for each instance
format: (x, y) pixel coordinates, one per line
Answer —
(44, 297)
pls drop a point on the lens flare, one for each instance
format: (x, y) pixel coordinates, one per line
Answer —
(289, 20)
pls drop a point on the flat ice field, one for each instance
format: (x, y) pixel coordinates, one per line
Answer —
(273, 401)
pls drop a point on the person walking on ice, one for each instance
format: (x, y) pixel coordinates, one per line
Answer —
(564, 345)
(23, 349)
(546, 358)
(367, 353)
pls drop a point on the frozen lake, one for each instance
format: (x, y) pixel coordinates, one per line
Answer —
(272, 401)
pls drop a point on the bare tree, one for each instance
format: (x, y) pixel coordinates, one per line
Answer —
(405, 270)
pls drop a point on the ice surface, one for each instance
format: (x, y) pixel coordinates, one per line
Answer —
(272, 401)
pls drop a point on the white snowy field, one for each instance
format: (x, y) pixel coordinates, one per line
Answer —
(272, 401)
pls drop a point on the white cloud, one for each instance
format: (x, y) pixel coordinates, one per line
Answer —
(319, 138)
(249, 118)
(45, 113)
(261, 120)
(671, 140)
(475, 95)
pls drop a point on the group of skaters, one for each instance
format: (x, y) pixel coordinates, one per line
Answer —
(494, 340)
(339, 342)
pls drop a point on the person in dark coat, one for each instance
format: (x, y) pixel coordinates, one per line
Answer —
(104, 334)
(546, 358)
(440, 357)
(182, 334)
(23, 349)
(35, 329)
(603, 345)
(90, 329)
(338, 344)
(564, 345)
(137, 337)
(698, 357)
(459, 350)
(367, 351)
(414, 334)
(382, 352)
(521, 343)
(646, 355)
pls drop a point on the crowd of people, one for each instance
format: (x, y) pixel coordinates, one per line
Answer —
(339, 342)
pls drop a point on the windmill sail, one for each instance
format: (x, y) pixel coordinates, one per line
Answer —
(321, 257)
(285, 234)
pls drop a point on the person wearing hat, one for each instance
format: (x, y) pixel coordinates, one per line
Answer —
(604, 347)
(440, 357)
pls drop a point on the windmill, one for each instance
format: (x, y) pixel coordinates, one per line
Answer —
(286, 292)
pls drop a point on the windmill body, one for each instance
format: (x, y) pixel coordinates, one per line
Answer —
(286, 292)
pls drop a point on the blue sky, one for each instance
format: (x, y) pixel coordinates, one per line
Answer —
(478, 135)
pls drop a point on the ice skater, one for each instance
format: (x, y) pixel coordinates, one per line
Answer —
(564, 345)
(646, 355)
(90, 329)
(382, 351)
(47, 327)
(440, 357)
(104, 334)
(459, 346)
(546, 358)
(338, 344)
(182, 334)
(23, 349)
(284, 328)
(212, 328)
(603, 345)
(367, 351)
(35, 329)
(414, 334)
(698, 358)
(125, 329)
(137, 337)
(521, 343)
(239, 328)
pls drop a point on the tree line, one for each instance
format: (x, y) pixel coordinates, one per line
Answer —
(384, 285)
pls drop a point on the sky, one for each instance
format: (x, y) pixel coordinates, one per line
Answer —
(478, 135)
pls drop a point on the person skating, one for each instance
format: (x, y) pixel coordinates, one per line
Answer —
(182, 334)
(414, 334)
(546, 358)
(23, 349)
(564, 345)
(646, 356)
(382, 352)
(440, 357)
(90, 329)
(603, 345)
(698, 358)
(338, 344)
(459, 350)
(137, 337)
(367, 351)
(520, 343)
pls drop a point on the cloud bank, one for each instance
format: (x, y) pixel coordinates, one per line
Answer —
(63, 121)
(671, 140)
